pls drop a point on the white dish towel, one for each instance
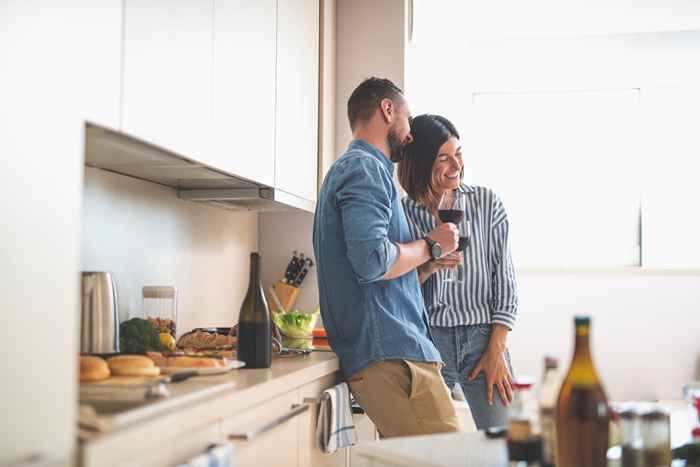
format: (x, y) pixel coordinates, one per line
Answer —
(335, 428)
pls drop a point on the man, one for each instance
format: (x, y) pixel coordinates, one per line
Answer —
(366, 263)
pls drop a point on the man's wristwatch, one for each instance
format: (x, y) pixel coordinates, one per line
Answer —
(434, 248)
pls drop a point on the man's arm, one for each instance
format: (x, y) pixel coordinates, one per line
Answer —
(364, 201)
(411, 255)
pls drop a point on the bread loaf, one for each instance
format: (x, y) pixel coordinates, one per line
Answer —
(133, 365)
(93, 369)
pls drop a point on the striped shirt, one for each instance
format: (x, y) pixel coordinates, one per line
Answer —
(488, 292)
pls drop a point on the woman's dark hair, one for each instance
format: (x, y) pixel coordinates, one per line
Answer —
(415, 170)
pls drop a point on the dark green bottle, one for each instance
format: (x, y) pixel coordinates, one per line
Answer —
(254, 346)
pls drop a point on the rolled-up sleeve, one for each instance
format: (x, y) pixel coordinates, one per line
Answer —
(505, 290)
(364, 200)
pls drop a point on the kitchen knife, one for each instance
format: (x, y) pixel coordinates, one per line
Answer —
(302, 275)
(288, 277)
(301, 260)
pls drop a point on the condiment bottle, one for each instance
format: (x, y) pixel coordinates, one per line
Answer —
(548, 392)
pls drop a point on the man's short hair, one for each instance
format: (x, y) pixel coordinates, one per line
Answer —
(366, 97)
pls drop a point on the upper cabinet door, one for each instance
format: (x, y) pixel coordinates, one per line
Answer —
(168, 73)
(297, 97)
(244, 88)
(99, 99)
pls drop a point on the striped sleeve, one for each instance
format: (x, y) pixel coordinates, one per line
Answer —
(413, 229)
(505, 292)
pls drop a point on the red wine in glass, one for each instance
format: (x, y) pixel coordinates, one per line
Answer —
(455, 216)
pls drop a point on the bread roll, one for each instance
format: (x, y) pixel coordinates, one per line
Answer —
(133, 365)
(93, 369)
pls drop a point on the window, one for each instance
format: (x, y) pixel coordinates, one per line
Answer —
(590, 140)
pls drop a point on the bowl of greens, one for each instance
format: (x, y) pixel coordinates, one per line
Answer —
(295, 323)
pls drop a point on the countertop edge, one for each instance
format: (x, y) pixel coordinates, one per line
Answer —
(208, 406)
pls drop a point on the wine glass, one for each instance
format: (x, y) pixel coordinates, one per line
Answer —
(451, 209)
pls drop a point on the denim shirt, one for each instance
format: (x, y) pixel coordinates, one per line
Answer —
(359, 217)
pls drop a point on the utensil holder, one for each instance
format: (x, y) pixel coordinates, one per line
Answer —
(286, 293)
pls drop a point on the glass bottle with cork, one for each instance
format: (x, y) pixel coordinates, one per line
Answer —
(582, 417)
(254, 339)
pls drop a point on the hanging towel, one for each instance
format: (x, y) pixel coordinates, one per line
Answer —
(216, 455)
(335, 428)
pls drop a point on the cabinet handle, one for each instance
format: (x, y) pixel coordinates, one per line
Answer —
(250, 435)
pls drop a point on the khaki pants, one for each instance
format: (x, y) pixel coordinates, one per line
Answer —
(404, 398)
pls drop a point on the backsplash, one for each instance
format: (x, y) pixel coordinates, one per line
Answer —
(280, 234)
(145, 235)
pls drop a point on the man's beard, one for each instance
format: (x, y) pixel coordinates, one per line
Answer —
(396, 146)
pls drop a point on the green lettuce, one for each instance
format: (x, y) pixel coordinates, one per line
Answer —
(295, 323)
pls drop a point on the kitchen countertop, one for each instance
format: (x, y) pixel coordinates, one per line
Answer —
(446, 450)
(476, 450)
(239, 389)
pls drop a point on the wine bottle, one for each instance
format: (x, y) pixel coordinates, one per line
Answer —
(254, 346)
(582, 417)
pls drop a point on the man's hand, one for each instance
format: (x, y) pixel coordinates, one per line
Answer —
(447, 235)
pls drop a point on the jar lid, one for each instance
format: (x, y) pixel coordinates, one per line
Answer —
(522, 382)
(550, 362)
(655, 414)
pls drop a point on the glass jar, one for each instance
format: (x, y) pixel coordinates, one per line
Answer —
(630, 434)
(655, 428)
(160, 308)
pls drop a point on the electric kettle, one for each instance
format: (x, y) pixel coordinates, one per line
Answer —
(99, 316)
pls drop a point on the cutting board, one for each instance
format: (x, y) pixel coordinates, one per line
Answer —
(118, 388)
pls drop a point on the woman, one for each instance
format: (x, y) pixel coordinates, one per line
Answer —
(469, 319)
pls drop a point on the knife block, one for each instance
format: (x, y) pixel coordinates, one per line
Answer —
(286, 293)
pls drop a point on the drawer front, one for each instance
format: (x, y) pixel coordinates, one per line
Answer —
(173, 451)
(267, 434)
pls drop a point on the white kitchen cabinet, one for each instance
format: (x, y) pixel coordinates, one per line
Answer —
(173, 451)
(168, 73)
(100, 98)
(244, 88)
(297, 97)
(273, 427)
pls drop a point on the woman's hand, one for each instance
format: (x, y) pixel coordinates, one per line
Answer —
(452, 260)
(493, 364)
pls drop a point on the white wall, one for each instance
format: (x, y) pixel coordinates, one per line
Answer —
(645, 334)
(371, 41)
(145, 235)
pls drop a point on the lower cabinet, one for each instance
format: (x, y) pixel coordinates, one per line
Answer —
(172, 451)
(266, 434)
(279, 432)
(366, 431)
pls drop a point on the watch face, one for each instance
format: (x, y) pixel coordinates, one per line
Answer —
(436, 251)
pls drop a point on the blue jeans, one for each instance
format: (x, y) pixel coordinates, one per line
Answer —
(461, 348)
